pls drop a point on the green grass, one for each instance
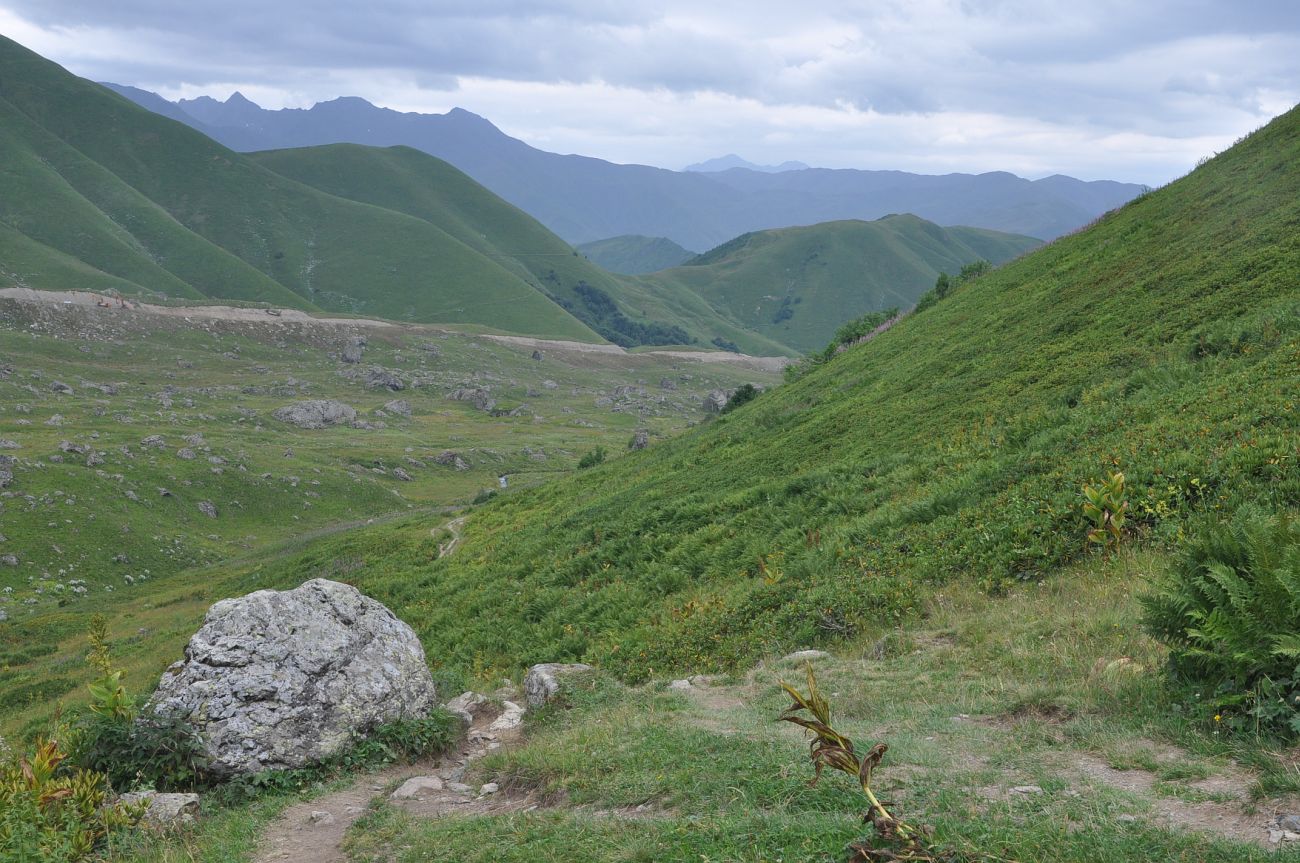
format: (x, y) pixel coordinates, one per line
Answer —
(986, 695)
(1162, 341)
(632, 255)
(797, 285)
(155, 562)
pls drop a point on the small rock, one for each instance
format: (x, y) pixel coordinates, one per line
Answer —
(208, 508)
(1289, 822)
(9, 559)
(467, 705)
(537, 355)
(680, 685)
(165, 808)
(401, 407)
(153, 441)
(1126, 819)
(185, 453)
(60, 387)
(511, 717)
(805, 656)
(398, 473)
(417, 785)
(459, 788)
(320, 816)
(640, 439)
(489, 788)
(1026, 789)
(545, 681)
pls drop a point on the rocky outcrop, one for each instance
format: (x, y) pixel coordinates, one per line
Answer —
(381, 378)
(352, 350)
(476, 396)
(280, 679)
(716, 400)
(316, 414)
(546, 681)
(640, 439)
(401, 407)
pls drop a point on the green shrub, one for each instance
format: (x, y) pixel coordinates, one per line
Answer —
(744, 394)
(51, 815)
(164, 754)
(1230, 613)
(592, 458)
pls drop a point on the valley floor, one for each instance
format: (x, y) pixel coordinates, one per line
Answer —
(1029, 727)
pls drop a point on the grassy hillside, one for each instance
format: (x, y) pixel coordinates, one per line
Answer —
(634, 254)
(158, 205)
(408, 181)
(797, 285)
(1162, 341)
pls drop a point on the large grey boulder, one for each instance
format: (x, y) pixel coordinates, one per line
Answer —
(280, 679)
(716, 400)
(546, 681)
(316, 414)
(476, 396)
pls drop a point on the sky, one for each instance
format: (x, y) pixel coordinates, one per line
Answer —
(1133, 90)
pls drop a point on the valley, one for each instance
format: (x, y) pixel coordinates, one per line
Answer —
(941, 518)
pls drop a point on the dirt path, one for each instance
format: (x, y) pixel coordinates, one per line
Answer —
(313, 831)
(446, 548)
(111, 305)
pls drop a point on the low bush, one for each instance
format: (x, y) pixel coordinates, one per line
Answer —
(1230, 613)
(593, 458)
(53, 815)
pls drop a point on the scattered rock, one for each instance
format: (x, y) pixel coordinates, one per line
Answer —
(550, 385)
(5, 443)
(165, 808)
(384, 379)
(153, 441)
(185, 453)
(545, 681)
(451, 459)
(680, 685)
(667, 384)
(352, 350)
(1026, 789)
(1289, 822)
(716, 400)
(805, 656)
(489, 788)
(537, 355)
(316, 414)
(208, 508)
(60, 387)
(9, 559)
(417, 785)
(398, 473)
(467, 706)
(401, 407)
(511, 717)
(640, 439)
(320, 816)
(7, 463)
(280, 679)
(476, 396)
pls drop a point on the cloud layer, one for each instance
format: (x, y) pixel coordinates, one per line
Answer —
(1133, 91)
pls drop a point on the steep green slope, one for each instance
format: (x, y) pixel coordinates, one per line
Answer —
(408, 181)
(634, 254)
(1164, 341)
(160, 205)
(797, 285)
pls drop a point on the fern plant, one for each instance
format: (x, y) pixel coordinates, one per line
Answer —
(1230, 613)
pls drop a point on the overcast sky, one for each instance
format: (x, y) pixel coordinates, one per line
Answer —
(1133, 90)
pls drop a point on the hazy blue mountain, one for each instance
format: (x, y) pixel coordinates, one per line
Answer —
(731, 160)
(584, 199)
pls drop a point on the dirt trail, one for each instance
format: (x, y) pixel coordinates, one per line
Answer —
(446, 548)
(111, 305)
(313, 831)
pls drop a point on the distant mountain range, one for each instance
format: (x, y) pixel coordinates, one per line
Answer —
(731, 160)
(584, 199)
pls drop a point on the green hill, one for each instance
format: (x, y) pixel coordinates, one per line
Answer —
(797, 285)
(1161, 340)
(633, 254)
(148, 204)
(413, 183)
